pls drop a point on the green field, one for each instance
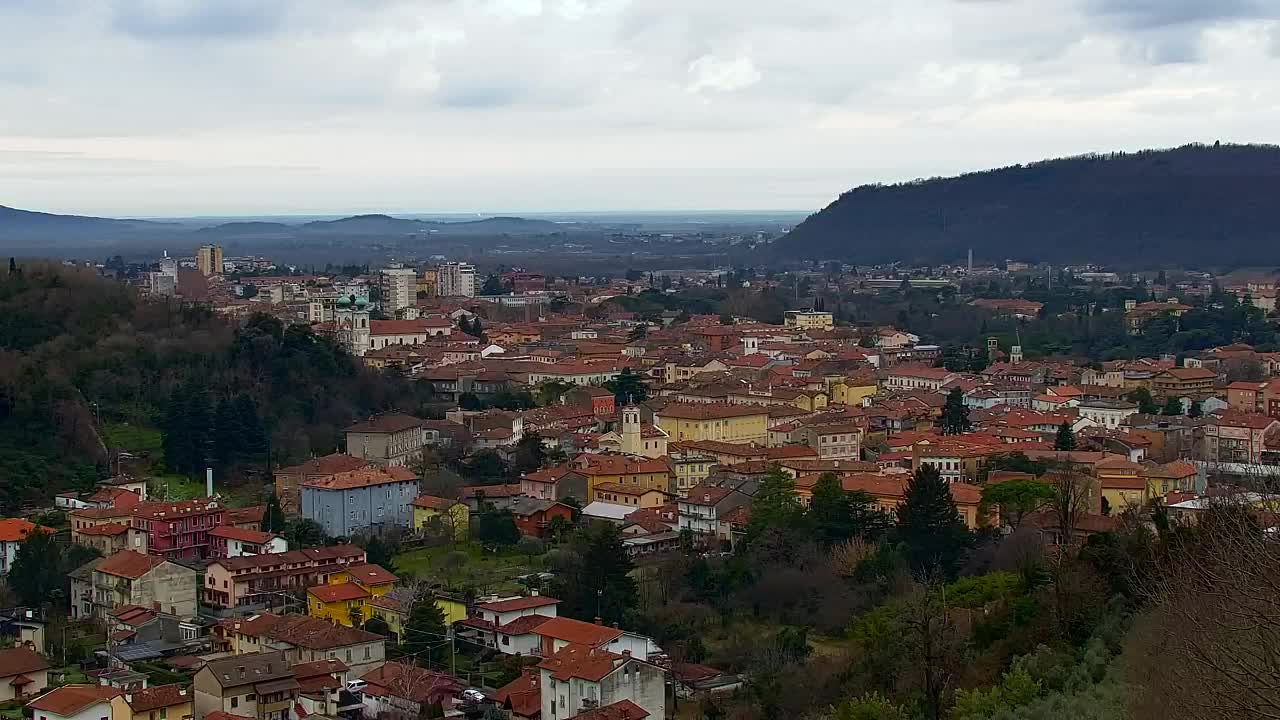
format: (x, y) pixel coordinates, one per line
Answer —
(135, 439)
(487, 572)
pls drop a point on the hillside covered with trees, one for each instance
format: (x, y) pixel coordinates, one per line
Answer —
(1194, 205)
(82, 358)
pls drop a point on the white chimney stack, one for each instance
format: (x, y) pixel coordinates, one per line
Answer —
(208, 482)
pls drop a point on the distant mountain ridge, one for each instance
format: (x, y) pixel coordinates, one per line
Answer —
(18, 226)
(1193, 205)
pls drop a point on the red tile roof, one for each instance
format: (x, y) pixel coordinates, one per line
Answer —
(19, 660)
(231, 532)
(341, 592)
(105, 529)
(387, 423)
(367, 477)
(17, 529)
(492, 491)
(160, 696)
(71, 699)
(709, 411)
(129, 564)
(411, 683)
(434, 503)
(326, 465)
(522, 695)
(580, 660)
(370, 574)
(576, 631)
(523, 625)
(621, 710)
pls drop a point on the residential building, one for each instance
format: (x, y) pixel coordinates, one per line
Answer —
(579, 680)
(600, 399)
(399, 288)
(178, 530)
(1122, 483)
(451, 517)
(131, 578)
(228, 542)
(740, 424)
(889, 492)
(1183, 382)
(390, 439)
(258, 685)
(1138, 314)
(918, 377)
(456, 279)
(636, 472)
(837, 441)
(23, 673)
(554, 483)
(690, 467)
(288, 480)
(209, 260)
(74, 702)
(1107, 413)
(703, 509)
(533, 516)
(161, 702)
(321, 688)
(1176, 476)
(343, 598)
(13, 531)
(398, 690)
(394, 608)
(108, 538)
(1234, 437)
(361, 501)
(304, 639)
(808, 320)
(509, 625)
(620, 494)
(262, 581)
(521, 698)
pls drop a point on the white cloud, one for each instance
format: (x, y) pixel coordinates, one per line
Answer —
(229, 105)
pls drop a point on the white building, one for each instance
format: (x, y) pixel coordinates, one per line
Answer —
(399, 288)
(351, 320)
(1107, 413)
(457, 280)
(74, 702)
(579, 678)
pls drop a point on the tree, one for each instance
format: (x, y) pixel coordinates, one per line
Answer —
(13, 266)
(377, 626)
(628, 388)
(493, 286)
(1016, 499)
(530, 547)
(836, 515)
(305, 533)
(37, 572)
(1196, 410)
(955, 414)
(776, 506)
(638, 333)
(425, 630)
(1066, 438)
(1172, 406)
(929, 527)
(273, 520)
(495, 528)
(378, 552)
(870, 706)
(530, 454)
(598, 583)
(558, 529)
(1146, 404)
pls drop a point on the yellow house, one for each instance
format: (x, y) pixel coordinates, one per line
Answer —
(162, 702)
(852, 390)
(394, 609)
(629, 471)
(448, 513)
(684, 422)
(1123, 484)
(344, 600)
(811, 400)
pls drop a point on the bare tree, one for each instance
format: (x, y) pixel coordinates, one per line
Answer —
(1073, 493)
(1215, 617)
(932, 642)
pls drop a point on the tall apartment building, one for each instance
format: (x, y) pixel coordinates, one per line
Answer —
(457, 280)
(399, 288)
(209, 259)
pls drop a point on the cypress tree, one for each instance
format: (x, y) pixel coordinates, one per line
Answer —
(929, 526)
(1066, 439)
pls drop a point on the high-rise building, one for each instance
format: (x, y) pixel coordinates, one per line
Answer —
(209, 259)
(399, 288)
(457, 280)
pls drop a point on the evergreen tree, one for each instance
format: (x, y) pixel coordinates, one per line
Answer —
(1146, 404)
(1066, 438)
(378, 552)
(273, 520)
(13, 266)
(955, 415)
(424, 631)
(628, 388)
(1196, 410)
(601, 583)
(226, 434)
(495, 528)
(1172, 406)
(929, 527)
(253, 436)
(37, 573)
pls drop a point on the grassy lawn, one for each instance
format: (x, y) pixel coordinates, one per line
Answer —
(66, 675)
(174, 487)
(488, 572)
(136, 439)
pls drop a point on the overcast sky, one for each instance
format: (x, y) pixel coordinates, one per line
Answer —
(155, 107)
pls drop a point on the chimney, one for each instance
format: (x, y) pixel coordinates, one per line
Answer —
(182, 692)
(128, 697)
(626, 653)
(533, 592)
(599, 620)
(208, 482)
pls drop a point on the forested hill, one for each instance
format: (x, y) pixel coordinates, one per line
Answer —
(1194, 205)
(81, 357)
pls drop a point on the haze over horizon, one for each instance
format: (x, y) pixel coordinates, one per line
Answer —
(172, 108)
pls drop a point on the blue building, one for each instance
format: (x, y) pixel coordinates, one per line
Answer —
(368, 500)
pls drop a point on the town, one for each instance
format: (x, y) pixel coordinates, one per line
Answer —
(589, 467)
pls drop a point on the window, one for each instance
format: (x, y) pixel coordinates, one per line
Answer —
(250, 697)
(366, 653)
(235, 703)
(348, 655)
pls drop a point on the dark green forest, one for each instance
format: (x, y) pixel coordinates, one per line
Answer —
(1194, 205)
(78, 353)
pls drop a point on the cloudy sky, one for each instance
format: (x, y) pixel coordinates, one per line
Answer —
(155, 107)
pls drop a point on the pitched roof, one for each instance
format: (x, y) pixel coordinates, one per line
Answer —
(520, 603)
(249, 668)
(522, 695)
(580, 660)
(410, 682)
(705, 495)
(576, 631)
(523, 625)
(293, 558)
(342, 592)
(326, 465)
(19, 660)
(106, 529)
(129, 564)
(71, 699)
(244, 515)
(621, 710)
(434, 503)
(160, 696)
(709, 411)
(304, 631)
(364, 477)
(370, 574)
(386, 423)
